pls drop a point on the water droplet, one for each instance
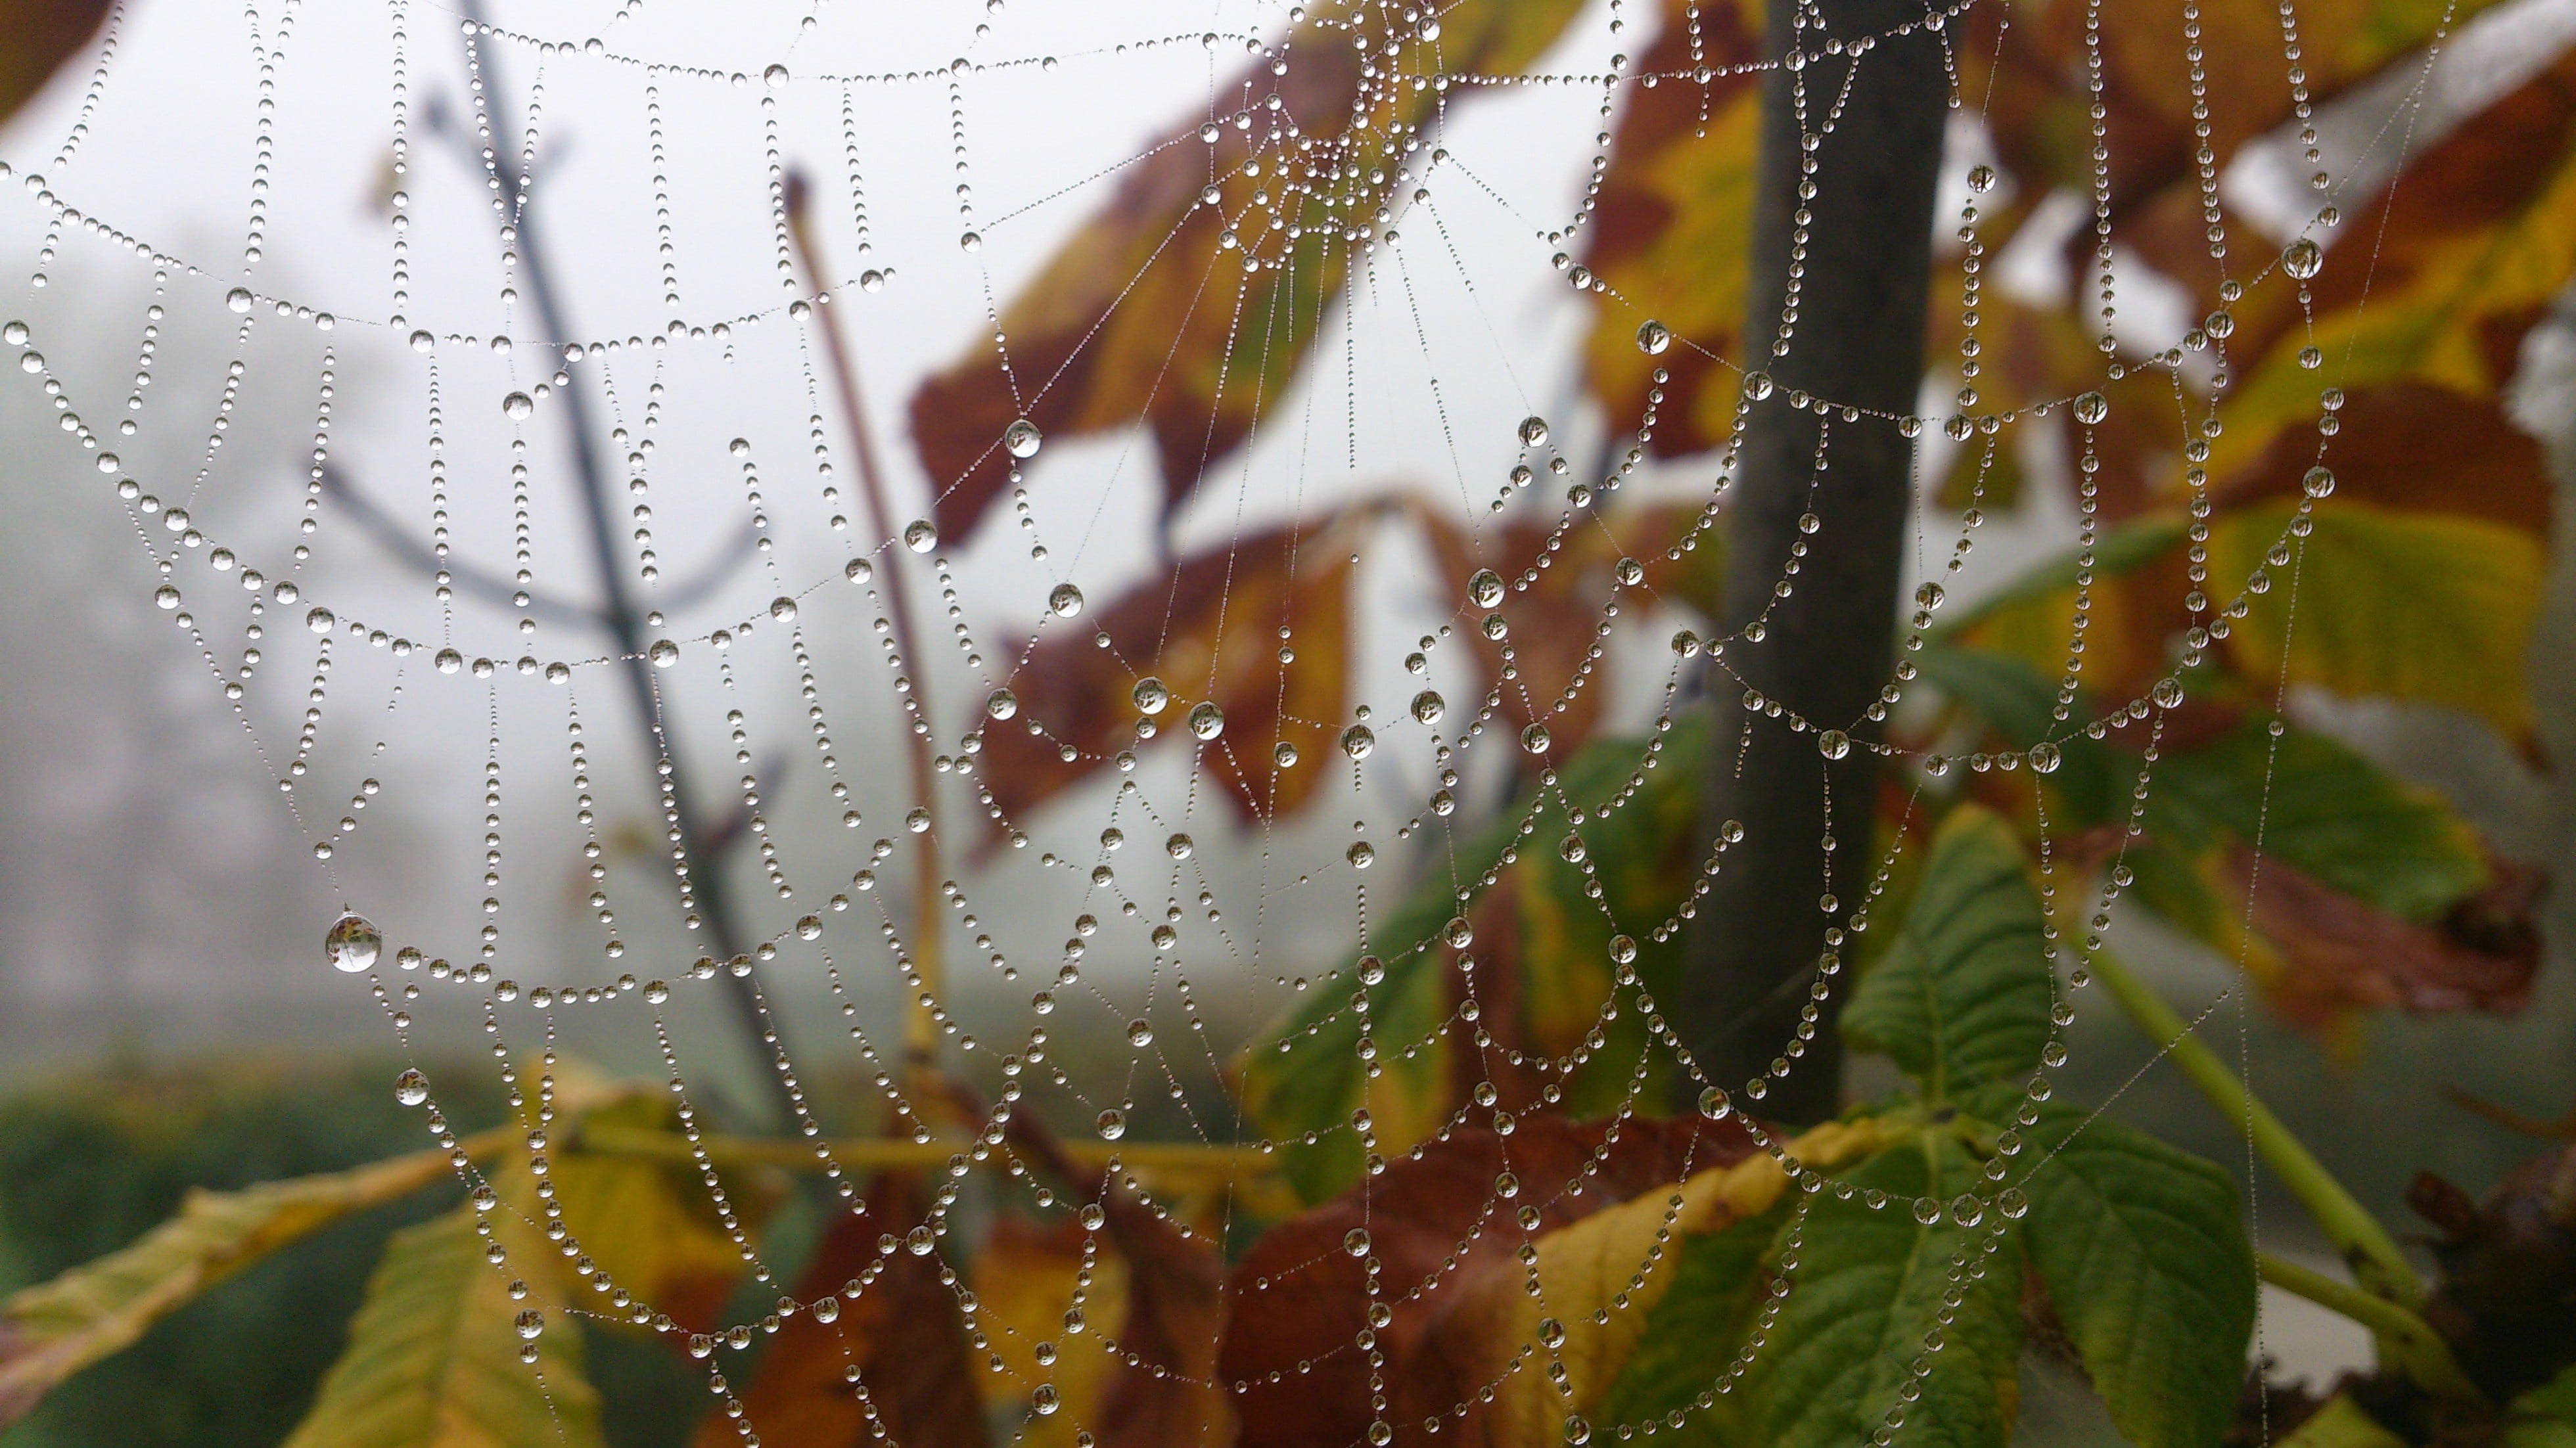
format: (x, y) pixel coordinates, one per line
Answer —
(1623, 949)
(2044, 758)
(1179, 846)
(1207, 721)
(783, 609)
(657, 991)
(411, 1088)
(1356, 1241)
(920, 535)
(1533, 432)
(920, 1241)
(1001, 704)
(352, 943)
(1459, 933)
(517, 407)
(775, 77)
(1284, 755)
(970, 242)
(1065, 600)
(1654, 339)
(1551, 1333)
(1485, 588)
(2318, 482)
(1833, 744)
(2167, 693)
(1927, 1210)
(1022, 439)
(2091, 407)
(663, 653)
(1044, 1399)
(1139, 1034)
(2012, 1203)
(1714, 1105)
(1361, 855)
(1572, 850)
(872, 280)
(1112, 1124)
(1092, 1217)
(1757, 385)
(423, 342)
(1981, 179)
(1357, 741)
(1151, 696)
(1371, 970)
(1535, 739)
(319, 620)
(165, 597)
(15, 333)
(239, 299)
(1428, 706)
(917, 819)
(2303, 259)
(531, 1324)
(1967, 1209)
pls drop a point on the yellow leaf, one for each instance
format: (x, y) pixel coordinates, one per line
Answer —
(54, 1329)
(649, 1226)
(433, 1354)
(2435, 608)
(1025, 1283)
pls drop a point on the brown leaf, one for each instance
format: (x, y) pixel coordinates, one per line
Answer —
(1209, 629)
(1671, 230)
(2413, 445)
(1144, 315)
(2337, 952)
(1298, 1295)
(899, 1325)
(36, 36)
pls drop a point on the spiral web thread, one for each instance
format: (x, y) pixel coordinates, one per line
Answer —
(829, 918)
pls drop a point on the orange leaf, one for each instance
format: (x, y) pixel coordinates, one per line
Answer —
(899, 1325)
(1146, 315)
(1210, 631)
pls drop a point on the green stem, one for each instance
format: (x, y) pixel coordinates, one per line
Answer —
(2364, 1243)
(2416, 1348)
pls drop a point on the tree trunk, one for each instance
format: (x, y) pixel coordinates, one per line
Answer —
(1826, 649)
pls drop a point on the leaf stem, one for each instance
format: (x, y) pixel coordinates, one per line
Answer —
(2374, 1255)
(2418, 1350)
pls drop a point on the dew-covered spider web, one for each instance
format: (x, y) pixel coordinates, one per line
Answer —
(936, 573)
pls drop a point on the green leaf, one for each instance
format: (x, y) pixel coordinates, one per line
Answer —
(1864, 1294)
(2327, 810)
(2020, 703)
(2545, 1417)
(54, 1329)
(2143, 1249)
(2434, 608)
(1961, 998)
(433, 1355)
(2342, 1424)
(1717, 1287)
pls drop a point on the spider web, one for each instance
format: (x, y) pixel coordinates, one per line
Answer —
(786, 653)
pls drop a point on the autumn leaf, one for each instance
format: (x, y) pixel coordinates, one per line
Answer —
(2508, 1272)
(1297, 1296)
(38, 36)
(893, 1320)
(54, 1329)
(1672, 232)
(647, 1226)
(1208, 631)
(1192, 316)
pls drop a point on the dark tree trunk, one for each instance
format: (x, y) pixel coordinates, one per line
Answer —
(1827, 648)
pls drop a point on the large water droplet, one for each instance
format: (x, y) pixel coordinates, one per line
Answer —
(1981, 179)
(1001, 703)
(1533, 432)
(411, 1088)
(1207, 721)
(1654, 339)
(663, 653)
(775, 77)
(1358, 741)
(920, 535)
(1535, 739)
(1139, 1034)
(2092, 407)
(1428, 706)
(1065, 600)
(165, 597)
(2318, 482)
(1022, 439)
(1180, 847)
(531, 1324)
(1714, 1105)
(1151, 696)
(517, 407)
(1833, 744)
(1485, 588)
(352, 943)
(2043, 758)
(423, 342)
(1112, 1124)
(239, 299)
(2303, 259)
(783, 609)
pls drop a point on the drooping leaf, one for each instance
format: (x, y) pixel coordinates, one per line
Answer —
(433, 1356)
(648, 1225)
(1961, 998)
(1861, 1300)
(1671, 234)
(1298, 1294)
(2432, 608)
(1210, 631)
(893, 1320)
(36, 37)
(1692, 1334)
(1146, 314)
(2144, 1254)
(54, 1329)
